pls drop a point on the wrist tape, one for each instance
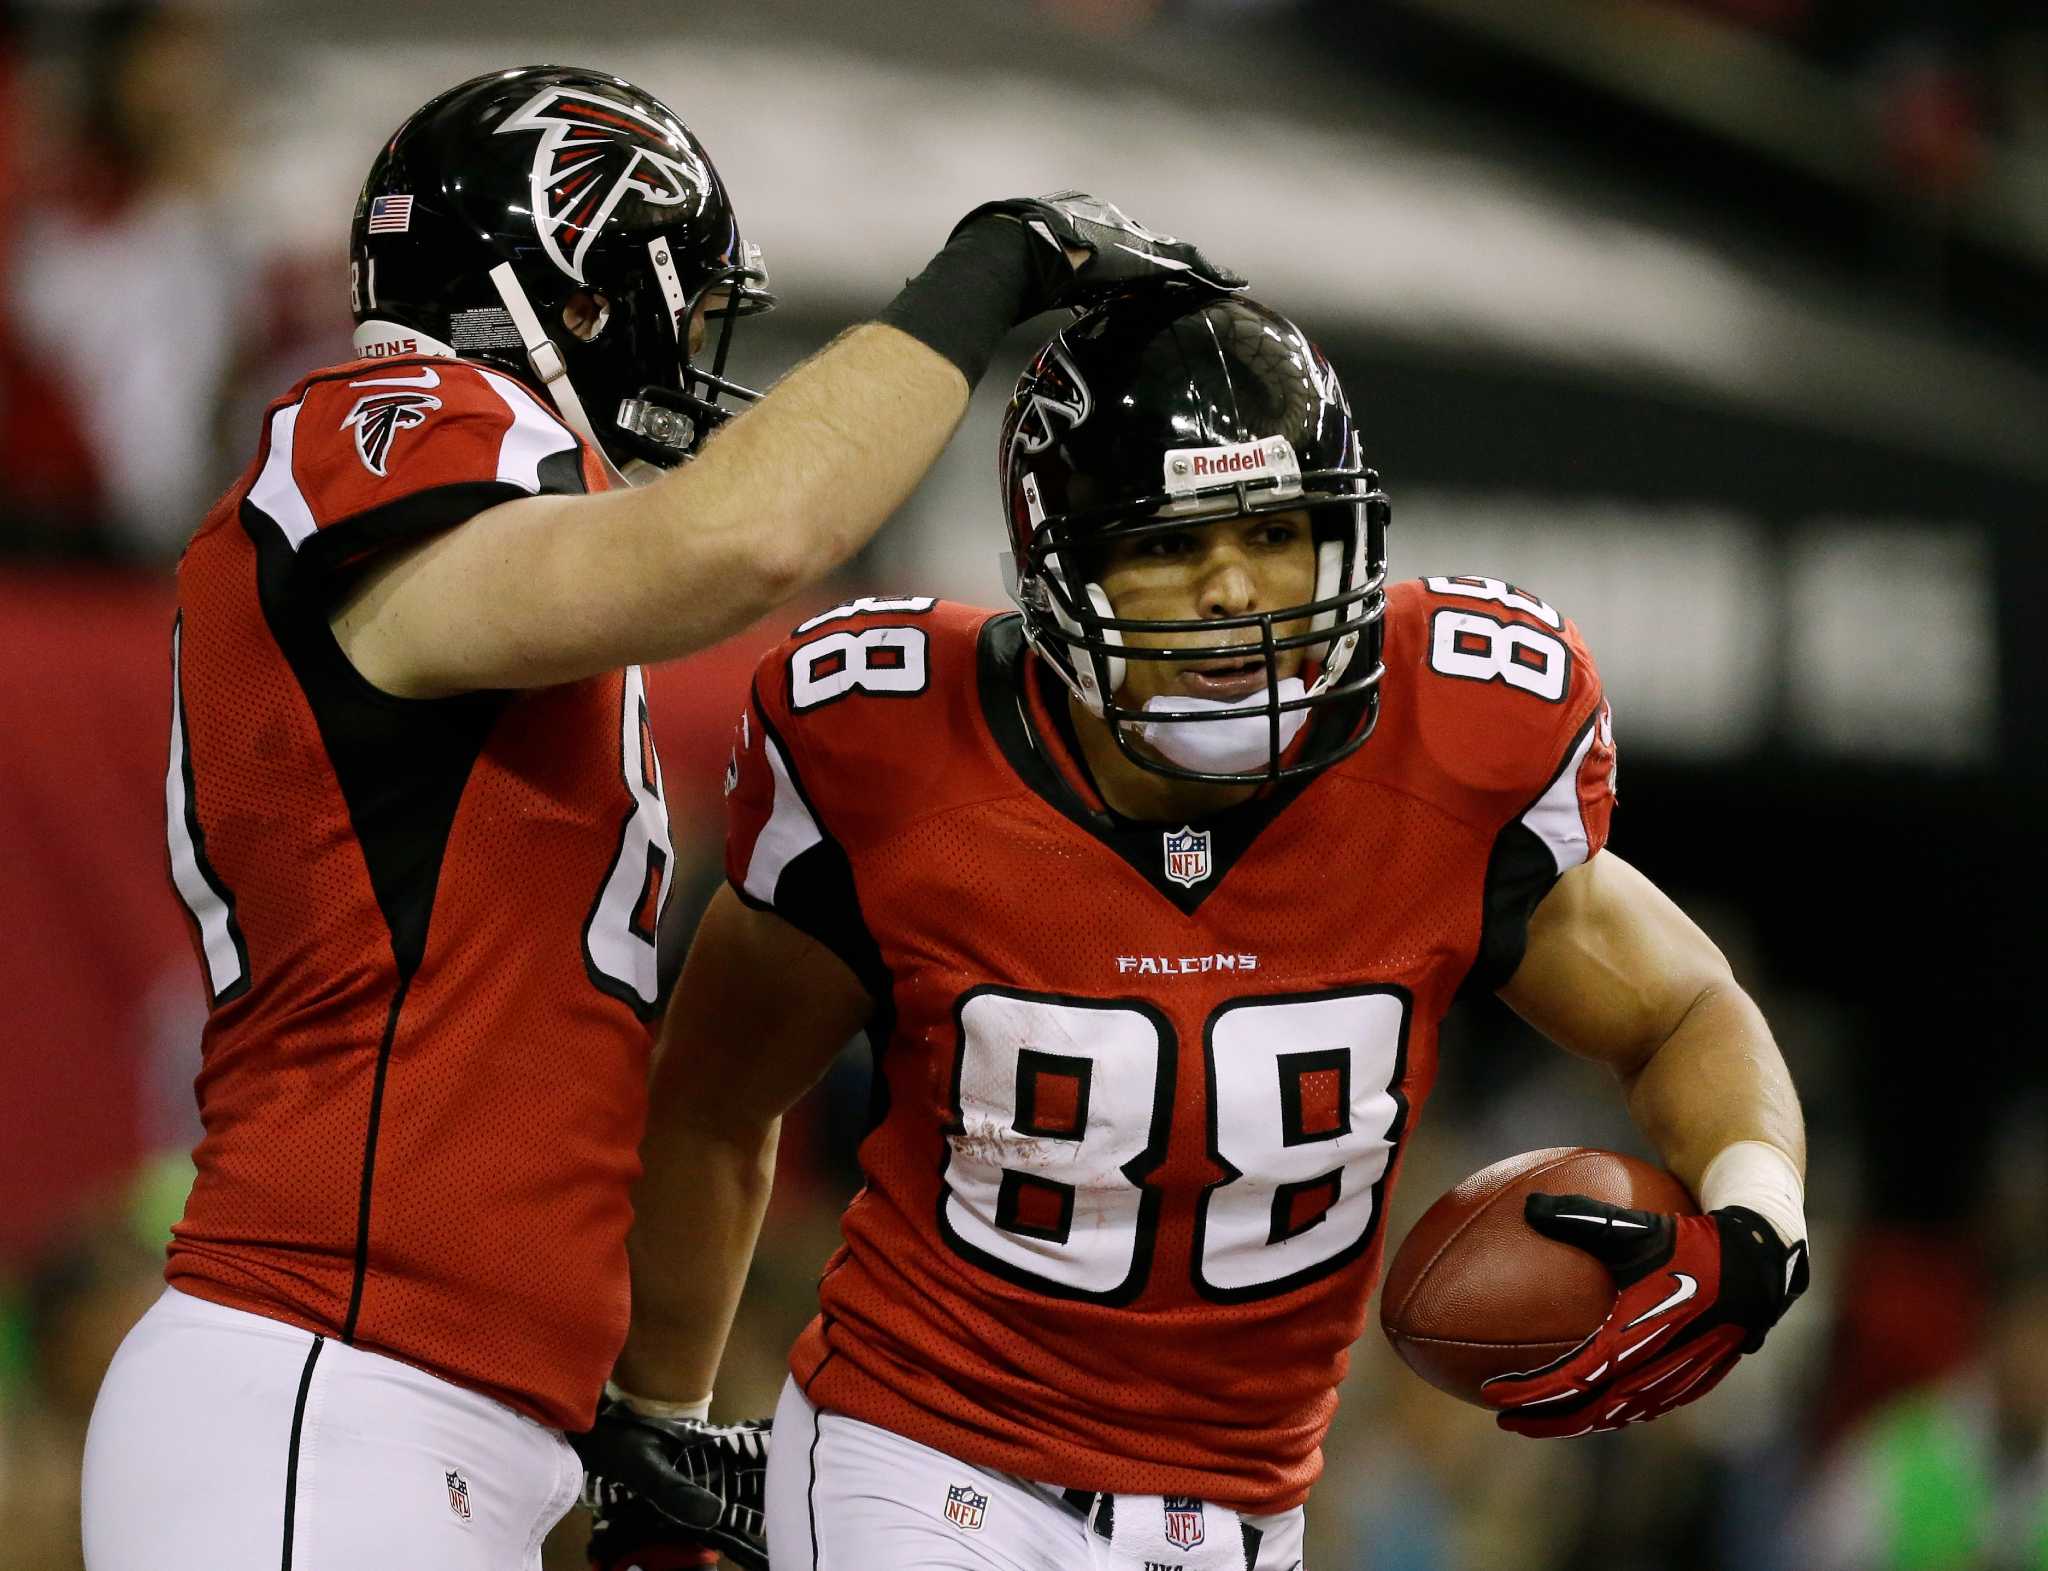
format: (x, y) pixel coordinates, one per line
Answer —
(654, 1407)
(1757, 1175)
(971, 294)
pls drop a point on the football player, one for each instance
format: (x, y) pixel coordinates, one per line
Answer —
(416, 817)
(1151, 896)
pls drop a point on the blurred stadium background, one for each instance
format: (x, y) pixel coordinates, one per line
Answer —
(1718, 322)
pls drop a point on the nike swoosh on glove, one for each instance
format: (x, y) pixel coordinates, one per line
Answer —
(1696, 1293)
(674, 1484)
(1123, 253)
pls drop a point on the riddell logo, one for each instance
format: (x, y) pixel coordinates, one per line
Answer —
(1193, 468)
(1235, 462)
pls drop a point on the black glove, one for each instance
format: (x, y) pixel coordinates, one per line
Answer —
(1123, 253)
(1696, 1293)
(628, 1534)
(705, 1481)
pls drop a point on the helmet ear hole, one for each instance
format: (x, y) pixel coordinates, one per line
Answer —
(585, 314)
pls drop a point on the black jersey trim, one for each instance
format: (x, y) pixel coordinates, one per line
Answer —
(816, 893)
(360, 1273)
(401, 764)
(1005, 663)
(408, 518)
(291, 1456)
(1520, 872)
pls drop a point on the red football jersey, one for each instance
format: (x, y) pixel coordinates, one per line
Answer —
(1143, 1085)
(426, 926)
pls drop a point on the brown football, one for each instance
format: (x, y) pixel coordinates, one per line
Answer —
(1476, 1292)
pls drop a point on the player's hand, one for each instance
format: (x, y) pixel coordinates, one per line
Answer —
(1114, 252)
(1697, 1292)
(627, 1534)
(675, 1483)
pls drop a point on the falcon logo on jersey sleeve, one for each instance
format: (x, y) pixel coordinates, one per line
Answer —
(1187, 855)
(398, 404)
(593, 151)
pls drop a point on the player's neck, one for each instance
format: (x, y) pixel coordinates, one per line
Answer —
(1138, 792)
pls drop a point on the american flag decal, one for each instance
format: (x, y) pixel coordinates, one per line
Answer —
(390, 215)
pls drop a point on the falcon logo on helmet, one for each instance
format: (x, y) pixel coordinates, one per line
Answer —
(1064, 398)
(593, 150)
(380, 416)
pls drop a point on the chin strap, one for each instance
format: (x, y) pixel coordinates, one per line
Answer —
(546, 360)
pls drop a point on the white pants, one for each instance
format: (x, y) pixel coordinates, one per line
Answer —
(848, 1496)
(224, 1441)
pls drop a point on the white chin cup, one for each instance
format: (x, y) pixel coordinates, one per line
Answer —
(1222, 747)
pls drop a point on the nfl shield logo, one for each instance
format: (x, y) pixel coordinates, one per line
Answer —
(1187, 855)
(1183, 1521)
(965, 1506)
(458, 1495)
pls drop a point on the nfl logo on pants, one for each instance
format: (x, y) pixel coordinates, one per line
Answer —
(1183, 1521)
(458, 1495)
(965, 1507)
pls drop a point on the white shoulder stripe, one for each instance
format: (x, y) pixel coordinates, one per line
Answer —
(789, 832)
(534, 434)
(275, 491)
(225, 965)
(1557, 819)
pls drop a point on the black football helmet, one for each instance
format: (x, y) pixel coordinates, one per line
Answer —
(502, 199)
(1150, 414)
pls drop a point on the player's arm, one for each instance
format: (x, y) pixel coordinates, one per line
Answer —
(758, 1015)
(1615, 972)
(546, 589)
(550, 588)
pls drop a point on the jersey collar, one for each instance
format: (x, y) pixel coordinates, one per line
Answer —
(1034, 733)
